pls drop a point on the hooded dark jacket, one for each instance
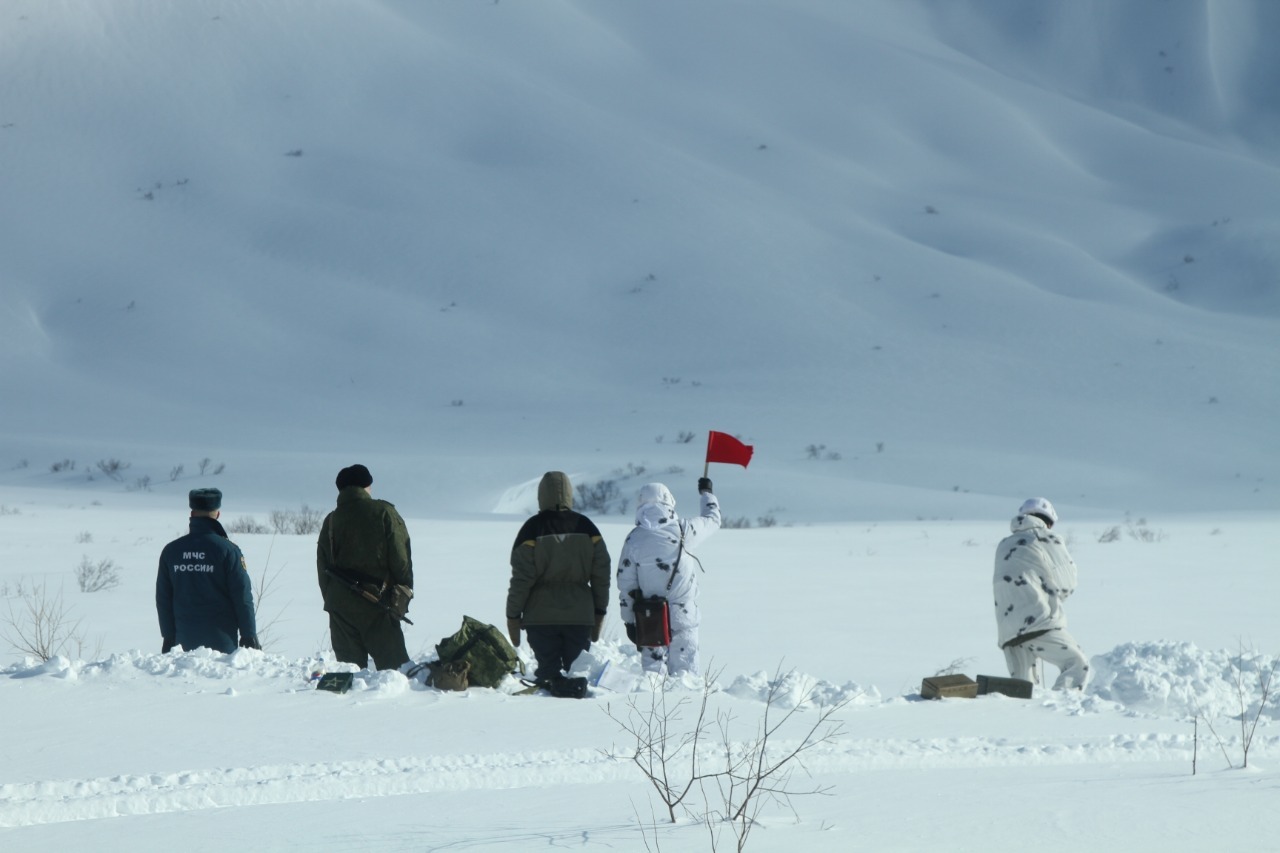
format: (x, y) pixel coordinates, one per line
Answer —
(203, 592)
(560, 569)
(365, 539)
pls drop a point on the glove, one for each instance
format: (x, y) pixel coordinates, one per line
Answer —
(166, 646)
(250, 643)
(631, 630)
(595, 632)
(704, 485)
(513, 631)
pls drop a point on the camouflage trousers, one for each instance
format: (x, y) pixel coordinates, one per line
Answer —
(1056, 647)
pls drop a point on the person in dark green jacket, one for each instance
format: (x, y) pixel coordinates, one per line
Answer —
(203, 592)
(363, 551)
(559, 590)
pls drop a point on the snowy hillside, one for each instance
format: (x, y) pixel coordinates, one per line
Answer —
(948, 243)
(930, 257)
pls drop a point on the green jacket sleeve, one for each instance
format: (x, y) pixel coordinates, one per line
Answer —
(400, 552)
(523, 574)
(600, 576)
(324, 557)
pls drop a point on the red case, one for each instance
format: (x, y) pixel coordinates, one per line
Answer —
(653, 622)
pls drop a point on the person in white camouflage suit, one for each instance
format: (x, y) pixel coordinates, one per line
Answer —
(1034, 574)
(655, 561)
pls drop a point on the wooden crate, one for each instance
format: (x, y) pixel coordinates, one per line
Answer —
(949, 687)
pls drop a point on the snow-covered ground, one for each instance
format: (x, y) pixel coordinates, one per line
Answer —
(212, 750)
(930, 257)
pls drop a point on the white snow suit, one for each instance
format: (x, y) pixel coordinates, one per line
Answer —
(1034, 574)
(655, 560)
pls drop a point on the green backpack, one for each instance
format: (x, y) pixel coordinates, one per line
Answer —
(490, 655)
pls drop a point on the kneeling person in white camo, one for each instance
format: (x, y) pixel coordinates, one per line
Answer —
(1034, 574)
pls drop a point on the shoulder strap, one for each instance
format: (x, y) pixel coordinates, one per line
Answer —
(676, 567)
(680, 553)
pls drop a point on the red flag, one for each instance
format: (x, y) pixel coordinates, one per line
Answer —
(722, 447)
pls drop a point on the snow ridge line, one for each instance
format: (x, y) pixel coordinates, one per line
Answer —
(35, 803)
(57, 802)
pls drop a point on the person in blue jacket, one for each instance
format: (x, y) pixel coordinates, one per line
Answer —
(203, 593)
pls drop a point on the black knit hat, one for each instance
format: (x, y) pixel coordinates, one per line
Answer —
(205, 500)
(354, 475)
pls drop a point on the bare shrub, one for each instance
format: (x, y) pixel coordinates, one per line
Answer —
(1253, 677)
(175, 472)
(301, 523)
(957, 666)
(246, 524)
(1140, 531)
(666, 751)
(702, 770)
(757, 775)
(739, 523)
(62, 465)
(280, 520)
(94, 577)
(37, 623)
(1111, 534)
(15, 590)
(262, 590)
(113, 468)
(308, 521)
(602, 497)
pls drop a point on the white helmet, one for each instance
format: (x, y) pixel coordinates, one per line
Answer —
(656, 493)
(1040, 507)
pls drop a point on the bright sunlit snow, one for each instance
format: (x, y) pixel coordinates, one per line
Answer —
(929, 257)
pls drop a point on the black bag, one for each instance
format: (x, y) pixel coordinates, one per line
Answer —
(653, 622)
(565, 687)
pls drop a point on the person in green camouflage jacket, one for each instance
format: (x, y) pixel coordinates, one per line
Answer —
(365, 542)
(559, 590)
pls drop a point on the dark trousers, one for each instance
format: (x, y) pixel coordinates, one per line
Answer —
(556, 647)
(379, 638)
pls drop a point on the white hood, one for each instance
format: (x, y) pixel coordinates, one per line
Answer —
(655, 505)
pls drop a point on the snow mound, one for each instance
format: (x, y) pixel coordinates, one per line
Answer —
(244, 670)
(1161, 678)
(1178, 678)
(55, 667)
(796, 689)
